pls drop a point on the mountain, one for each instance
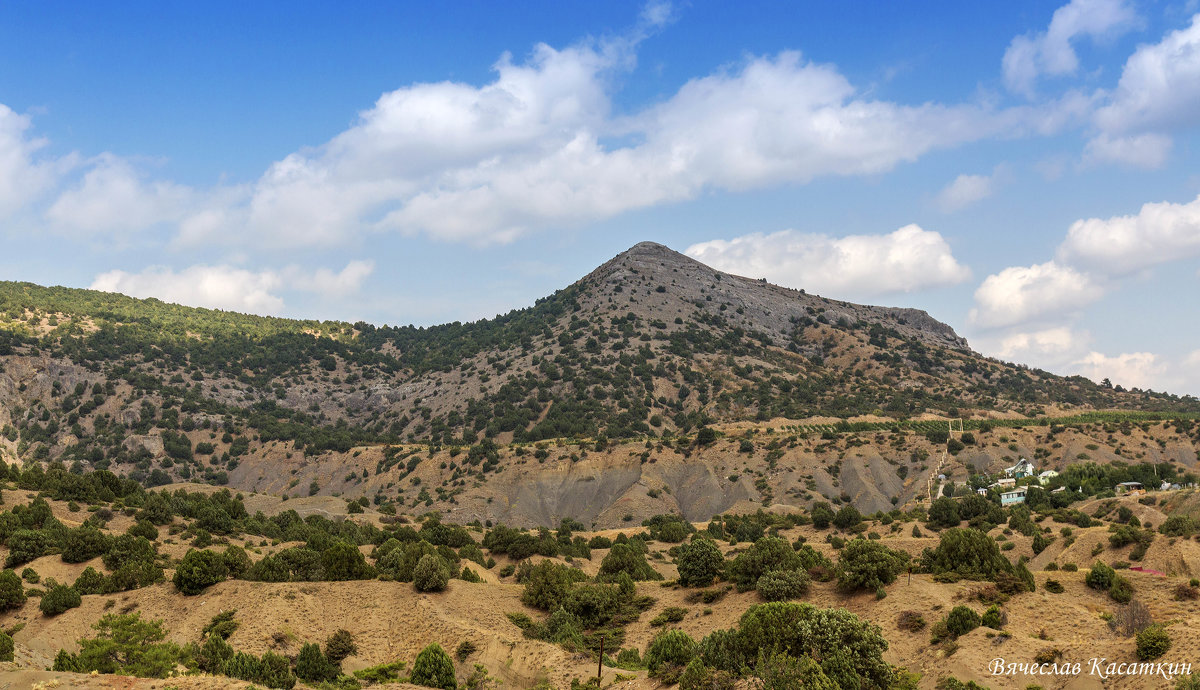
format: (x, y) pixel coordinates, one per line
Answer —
(585, 405)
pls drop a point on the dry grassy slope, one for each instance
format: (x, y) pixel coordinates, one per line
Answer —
(391, 621)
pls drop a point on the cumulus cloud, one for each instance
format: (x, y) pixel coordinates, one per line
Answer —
(231, 288)
(1051, 51)
(1131, 370)
(113, 197)
(1159, 91)
(534, 148)
(906, 260)
(1022, 294)
(216, 287)
(1159, 86)
(1049, 345)
(1158, 233)
(23, 176)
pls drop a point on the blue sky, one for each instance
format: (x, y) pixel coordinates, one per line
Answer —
(1027, 172)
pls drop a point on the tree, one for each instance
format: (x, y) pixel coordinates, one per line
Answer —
(6, 647)
(849, 649)
(767, 554)
(866, 564)
(699, 563)
(669, 653)
(433, 669)
(339, 646)
(84, 544)
(199, 570)
(12, 590)
(822, 515)
(236, 561)
(58, 600)
(967, 553)
(344, 561)
(431, 574)
(623, 558)
(847, 517)
(944, 512)
(312, 666)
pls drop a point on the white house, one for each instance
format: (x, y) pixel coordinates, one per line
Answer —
(1045, 477)
(1012, 496)
(1023, 468)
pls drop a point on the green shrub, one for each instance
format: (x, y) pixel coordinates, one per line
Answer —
(671, 614)
(339, 646)
(850, 649)
(699, 563)
(237, 562)
(342, 561)
(1100, 576)
(433, 669)
(668, 654)
(312, 666)
(1153, 642)
(1121, 590)
(968, 553)
(697, 676)
(767, 554)
(1054, 587)
(944, 512)
(822, 515)
(6, 646)
(623, 558)
(784, 671)
(198, 571)
(90, 581)
(12, 590)
(782, 585)
(962, 620)
(431, 574)
(868, 565)
(58, 600)
(994, 618)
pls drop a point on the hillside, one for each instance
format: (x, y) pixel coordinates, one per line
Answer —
(391, 622)
(586, 405)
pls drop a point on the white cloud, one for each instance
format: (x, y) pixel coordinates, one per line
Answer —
(1159, 91)
(230, 288)
(1131, 370)
(906, 260)
(1022, 294)
(114, 198)
(532, 149)
(23, 177)
(1160, 232)
(1042, 347)
(1147, 151)
(966, 190)
(216, 287)
(326, 282)
(1159, 86)
(1050, 52)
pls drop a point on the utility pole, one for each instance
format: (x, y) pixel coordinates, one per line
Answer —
(600, 662)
